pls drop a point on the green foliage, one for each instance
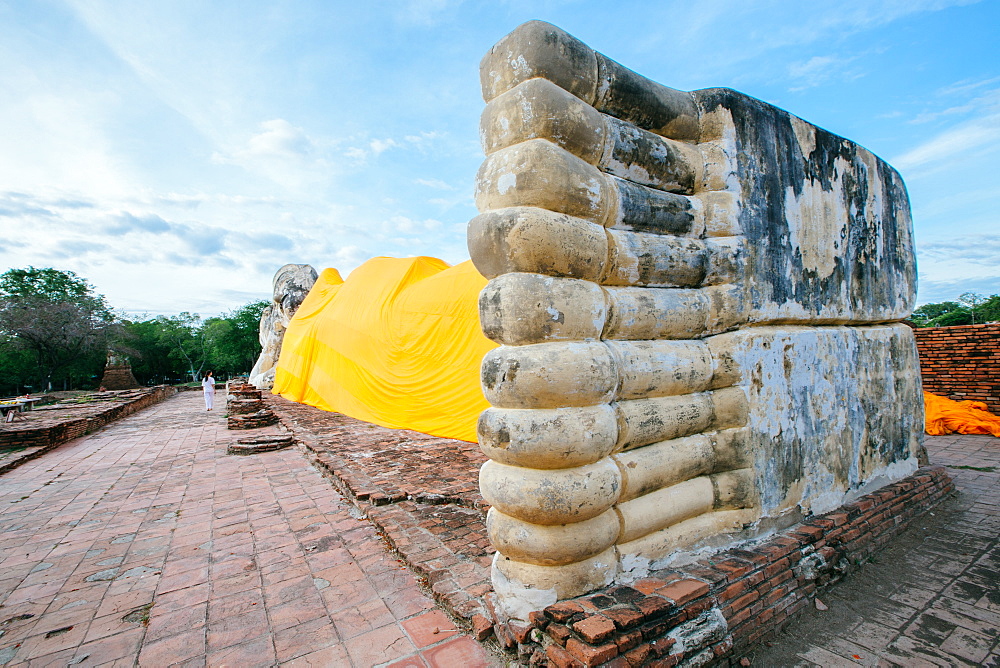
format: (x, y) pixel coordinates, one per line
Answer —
(18, 367)
(55, 328)
(960, 316)
(973, 309)
(184, 335)
(52, 286)
(234, 339)
(167, 349)
(149, 355)
(59, 320)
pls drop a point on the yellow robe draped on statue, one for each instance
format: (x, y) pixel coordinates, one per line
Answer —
(398, 344)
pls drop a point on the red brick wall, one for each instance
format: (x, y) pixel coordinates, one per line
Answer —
(961, 362)
(717, 608)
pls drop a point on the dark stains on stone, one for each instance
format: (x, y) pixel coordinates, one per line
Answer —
(649, 210)
(874, 254)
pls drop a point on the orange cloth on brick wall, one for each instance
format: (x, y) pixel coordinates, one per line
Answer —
(398, 344)
(944, 416)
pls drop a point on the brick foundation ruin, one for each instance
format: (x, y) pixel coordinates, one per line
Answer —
(961, 362)
(40, 435)
(258, 444)
(119, 377)
(245, 408)
(725, 604)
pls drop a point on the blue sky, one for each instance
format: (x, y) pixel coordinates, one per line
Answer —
(177, 153)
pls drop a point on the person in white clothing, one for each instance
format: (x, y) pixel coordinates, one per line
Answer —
(208, 386)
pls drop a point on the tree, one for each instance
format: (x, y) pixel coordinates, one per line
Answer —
(59, 318)
(185, 337)
(972, 300)
(149, 353)
(990, 309)
(922, 315)
(17, 366)
(977, 309)
(234, 339)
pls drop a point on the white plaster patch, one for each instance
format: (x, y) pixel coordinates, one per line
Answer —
(632, 567)
(506, 182)
(805, 133)
(817, 219)
(516, 600)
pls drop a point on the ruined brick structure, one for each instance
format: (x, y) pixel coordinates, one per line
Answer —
(697, 297)
(962, 362)
(40, 435)
(119, 377)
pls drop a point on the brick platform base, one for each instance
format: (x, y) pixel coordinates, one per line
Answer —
(421, 492)
(244, 406)
(48, 427)
(262, 418)
(717, 607)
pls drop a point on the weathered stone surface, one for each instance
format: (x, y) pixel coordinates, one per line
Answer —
(719, 275)
(548, 439)
(523, 587)
(552, 545)
(553, 496)
(835, 414)
(291, 285)
(539, 49)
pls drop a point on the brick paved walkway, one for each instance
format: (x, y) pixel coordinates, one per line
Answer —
(421, 491)
(932, 598)
(145, 543)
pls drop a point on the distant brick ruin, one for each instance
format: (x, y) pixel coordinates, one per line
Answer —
(962, 362)
(698, 299)
(118, 374)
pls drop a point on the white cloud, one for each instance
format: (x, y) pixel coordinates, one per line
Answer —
(437, 184)
(282, 153)
(982, 249)
(979, 135)
(734, 38)
(820, 69)
(378, 146)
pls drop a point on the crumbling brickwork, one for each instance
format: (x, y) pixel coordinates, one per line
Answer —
(119, 377)
(718, 606)
(961, 362)
(39, 436)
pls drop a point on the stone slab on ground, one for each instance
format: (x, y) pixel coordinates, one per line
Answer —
(144, 542)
